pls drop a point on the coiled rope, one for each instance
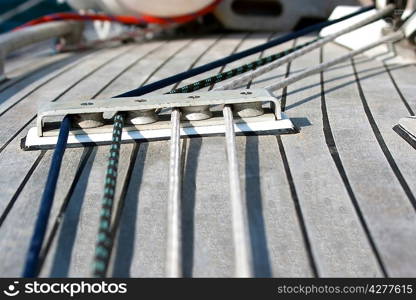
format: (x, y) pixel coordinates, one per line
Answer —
(32, 260)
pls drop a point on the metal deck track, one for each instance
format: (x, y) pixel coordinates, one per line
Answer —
(336, 199)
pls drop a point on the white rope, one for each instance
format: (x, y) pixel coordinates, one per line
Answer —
(242, 248)
(321, 67)
(174, 235)
(288, 58)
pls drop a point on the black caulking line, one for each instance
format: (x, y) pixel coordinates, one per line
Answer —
(83, 162)
(234, 51)
(406, 104)
(75, 64)
(284, 93)
(130, 66)
(298, 208)
(159, 67)
(20, 188)
(200, 57)
(60, 95)
(332, 148)
(294, 194)
(381, 141)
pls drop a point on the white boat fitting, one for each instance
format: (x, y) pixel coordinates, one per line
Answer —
(268, 121)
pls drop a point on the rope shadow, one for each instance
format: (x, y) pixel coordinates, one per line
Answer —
(124, 247)
(257, 229)
(68, 229)
(188, 205)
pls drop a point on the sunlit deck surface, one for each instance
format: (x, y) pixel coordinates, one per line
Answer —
(336, 199)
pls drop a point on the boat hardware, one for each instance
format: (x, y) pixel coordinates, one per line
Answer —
(248, 121)
(406, 128)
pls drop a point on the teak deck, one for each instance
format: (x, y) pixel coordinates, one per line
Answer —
(336, 199)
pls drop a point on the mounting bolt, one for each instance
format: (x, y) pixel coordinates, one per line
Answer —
(246, 93)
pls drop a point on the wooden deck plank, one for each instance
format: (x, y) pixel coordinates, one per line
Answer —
(16, 89)
(308, 215)
(339, 244)
(55, 90)
(145, 70)
(228, 44)
(392, 184)
(16, 117)
(38, 65)
(405, 84)
(17, 229)
(89, 89)
(23, 58)
(74, 245)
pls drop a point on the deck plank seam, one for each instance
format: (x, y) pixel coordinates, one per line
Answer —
(381, 142)
(61, 214)
(404, 100)
(60, 73)
(299, 213)
(11, 82)
(284, 91)
(333, 151)
(232, 52)
(171, 57)
(302, 224)
(62, 94)
(28, 175)
(207, 49)
(12, 201)
(130, 66)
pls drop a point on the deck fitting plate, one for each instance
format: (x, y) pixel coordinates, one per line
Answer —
(45, 135)
(407, 130)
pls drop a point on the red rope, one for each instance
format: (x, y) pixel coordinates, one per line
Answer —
(128, 20)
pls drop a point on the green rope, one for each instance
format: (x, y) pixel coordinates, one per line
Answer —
(105, 237)
(104, 242)
(237, 71)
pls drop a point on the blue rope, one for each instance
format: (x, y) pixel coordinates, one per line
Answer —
(32, 260)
